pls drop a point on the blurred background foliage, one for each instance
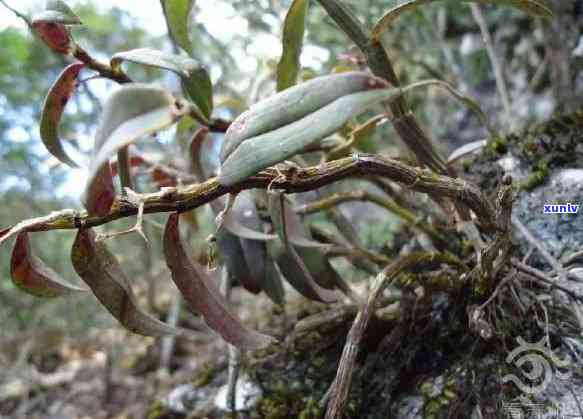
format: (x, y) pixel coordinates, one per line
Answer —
(440, 41)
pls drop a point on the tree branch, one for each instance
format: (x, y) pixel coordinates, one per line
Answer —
(289, 180)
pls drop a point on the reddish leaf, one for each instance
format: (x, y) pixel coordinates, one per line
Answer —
(53, 108)
(233, 256)
(135, 161)
(102, 272)
(162, 178)
(132, 112)
(55, 35)
(195, 147)
(100, 194)
(31, 275)
(202, 295)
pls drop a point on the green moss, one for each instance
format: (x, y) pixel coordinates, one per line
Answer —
(312, 410)
(205, 377)
(498, 145)
(432, 408)
(537, 177)
(280, 403)
(157, 410)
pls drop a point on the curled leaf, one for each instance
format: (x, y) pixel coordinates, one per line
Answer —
(531, 7)
(132, 112)
(102, 272)
(195, 78)
(176, 13)
(202, 295)
(30, 274)
(53, 108)
(234, 258)
(294, 27)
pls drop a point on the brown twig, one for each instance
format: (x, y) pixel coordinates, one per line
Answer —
(293, 181)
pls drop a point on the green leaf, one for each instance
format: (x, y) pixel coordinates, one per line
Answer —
(53, 108)
(177, 13)
(202, 294)
(294, 27)
(132, 112)
(531, 7)
(31, 275)
(101, 271)
(265, 150)
(195, 79)
(293, 104)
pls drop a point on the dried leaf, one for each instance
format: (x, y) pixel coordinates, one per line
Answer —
(31, 275)
(102, 272)
(195, 78)
(132, 112)
(202, 295)
(53, 108)
(531, 7)
(294, 27)
(177, 13)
